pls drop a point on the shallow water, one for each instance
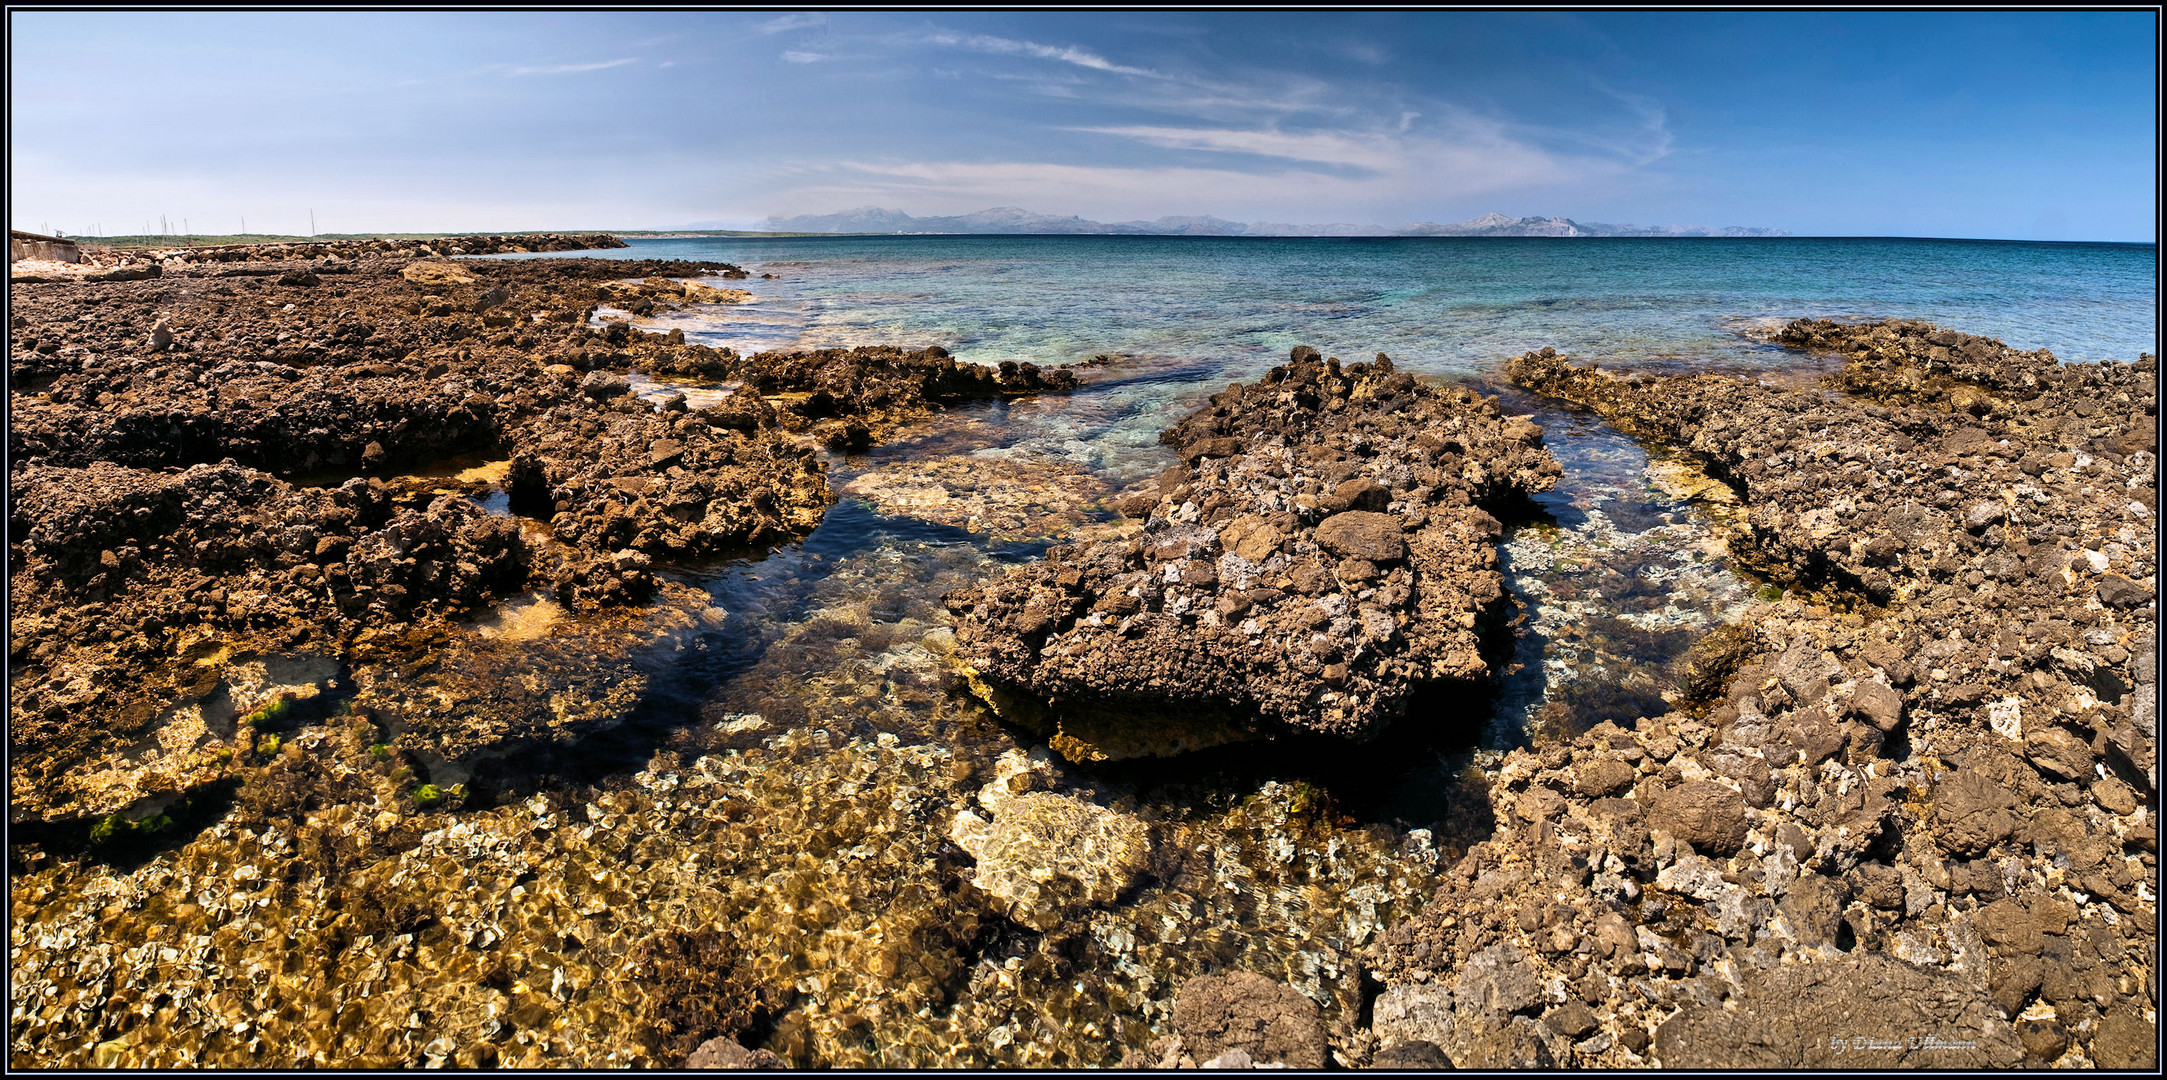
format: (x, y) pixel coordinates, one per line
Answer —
(795, 766)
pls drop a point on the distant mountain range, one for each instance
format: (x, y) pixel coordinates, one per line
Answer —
(1501, 225)
(1009, 219)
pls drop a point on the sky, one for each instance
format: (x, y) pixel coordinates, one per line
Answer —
(2020, 125)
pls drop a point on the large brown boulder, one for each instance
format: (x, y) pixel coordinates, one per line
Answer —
(1361, 534)
(1269, 1021)
(1705, 814)
(1857, 1012)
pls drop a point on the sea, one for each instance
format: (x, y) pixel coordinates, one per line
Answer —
(1442, 304)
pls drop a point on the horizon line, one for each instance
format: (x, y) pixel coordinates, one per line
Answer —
(755, 234)
(758, 233)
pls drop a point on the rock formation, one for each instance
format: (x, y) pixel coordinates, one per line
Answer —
(1914, 825)
(214, 463)
(1325, 548)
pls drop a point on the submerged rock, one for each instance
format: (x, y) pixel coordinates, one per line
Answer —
(1322, 551)
(999, 496)
(727, 1054)
(1042, 854)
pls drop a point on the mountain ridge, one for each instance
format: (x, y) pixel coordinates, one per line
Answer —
(1016, 220)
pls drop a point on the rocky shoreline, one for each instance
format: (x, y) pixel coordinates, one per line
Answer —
(315, 547)
(1915, 824)
(1907, 814)
(207, 467)
(104, 263)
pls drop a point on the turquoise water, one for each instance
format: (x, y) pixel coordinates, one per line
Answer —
(1444, 305)
(1189, 314)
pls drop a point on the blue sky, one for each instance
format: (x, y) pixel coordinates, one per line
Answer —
(2020, 125)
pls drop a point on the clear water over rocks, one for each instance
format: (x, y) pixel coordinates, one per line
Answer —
(806, 775)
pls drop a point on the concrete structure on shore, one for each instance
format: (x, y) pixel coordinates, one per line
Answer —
(25, 245)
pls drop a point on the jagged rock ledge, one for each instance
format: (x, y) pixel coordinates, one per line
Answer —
(1916, 825)
(209, 469)
(1325, 547)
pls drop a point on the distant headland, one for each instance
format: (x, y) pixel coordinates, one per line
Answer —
(1009, 219)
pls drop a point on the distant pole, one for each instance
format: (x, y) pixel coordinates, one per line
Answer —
(312, 223)
(244, 226)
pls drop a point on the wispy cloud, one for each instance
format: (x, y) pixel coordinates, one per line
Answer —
(799, 21)
(800, 56)
(1277, 92)
(1067, 54)
(568, 69)
(1421, 171)
(1654, 121)
(1644, 141)
(1365, 52)
(1258, 140)
(1460, 151)
(1358, 151)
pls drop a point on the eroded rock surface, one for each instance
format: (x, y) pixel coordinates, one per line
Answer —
(101, 263)
(1914, 810)
(1265, 1022)
(1813, 1015)
(1325, 546)
(212, 465)
(845, 398)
